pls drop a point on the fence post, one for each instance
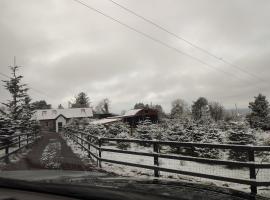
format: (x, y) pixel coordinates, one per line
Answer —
(99, 151)
(89, 146)
(27, 138)
(7, 143)
(252, 170)
(156, 163)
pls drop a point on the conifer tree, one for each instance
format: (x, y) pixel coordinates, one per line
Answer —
(242, 135)
(81, 101)
(26, 115)
(259, 116)
(197, 107)
(18, 93)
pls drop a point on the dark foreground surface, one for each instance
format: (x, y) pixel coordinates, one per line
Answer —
(99, 185)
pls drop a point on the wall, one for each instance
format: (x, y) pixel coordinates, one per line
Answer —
(47, 125)
(60, 119)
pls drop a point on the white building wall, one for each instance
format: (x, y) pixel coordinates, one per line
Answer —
(60, 119)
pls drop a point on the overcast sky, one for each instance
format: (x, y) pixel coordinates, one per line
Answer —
(65, 48)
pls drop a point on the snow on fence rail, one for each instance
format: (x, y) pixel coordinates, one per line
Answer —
(10, 144)
(91, 141)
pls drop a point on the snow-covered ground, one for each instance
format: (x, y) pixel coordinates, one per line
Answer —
(263, 174)
(50, 157)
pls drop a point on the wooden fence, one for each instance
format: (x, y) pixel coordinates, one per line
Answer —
(88, 141)
(11, 144)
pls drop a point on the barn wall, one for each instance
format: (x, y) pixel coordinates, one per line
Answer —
(47, 125)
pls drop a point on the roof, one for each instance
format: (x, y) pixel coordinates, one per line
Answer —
(105, 121)
(131, 112)
(67, 113)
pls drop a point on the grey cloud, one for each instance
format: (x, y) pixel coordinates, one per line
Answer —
(65, 48)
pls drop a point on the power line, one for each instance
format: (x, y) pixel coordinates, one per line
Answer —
(186, 41)
(152, 38)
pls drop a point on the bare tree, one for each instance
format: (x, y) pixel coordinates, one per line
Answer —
(103, 106)
(179, 108)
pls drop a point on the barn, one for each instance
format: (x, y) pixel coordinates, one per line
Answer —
(55, 119)
(132, 117)
(135, 115)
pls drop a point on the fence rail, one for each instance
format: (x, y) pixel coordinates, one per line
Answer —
(82, 138)
(15, 143)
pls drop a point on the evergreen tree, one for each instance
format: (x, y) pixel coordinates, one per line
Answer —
(117, 128)
(18, 93)
(197, 107)
(123, 145)
(259, 117)
(240, 134)
(26, 115)
(144, 131)
(175, 131)
(81, 101)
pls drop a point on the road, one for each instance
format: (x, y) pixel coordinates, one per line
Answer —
(50, 152)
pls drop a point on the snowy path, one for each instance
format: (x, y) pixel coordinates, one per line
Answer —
(51, 152)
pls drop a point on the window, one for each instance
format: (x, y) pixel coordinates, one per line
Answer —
(47, 123)
(44, 112)
(54, 112)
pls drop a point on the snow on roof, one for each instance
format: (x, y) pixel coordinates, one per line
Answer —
(132, 112)
(105, 121)
(67, 113)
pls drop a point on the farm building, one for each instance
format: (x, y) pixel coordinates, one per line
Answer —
(55, 119)
(132, 117)
(135, 115)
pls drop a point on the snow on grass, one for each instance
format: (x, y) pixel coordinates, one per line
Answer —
(50, 157)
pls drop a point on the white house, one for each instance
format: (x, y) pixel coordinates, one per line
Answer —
(55, 119)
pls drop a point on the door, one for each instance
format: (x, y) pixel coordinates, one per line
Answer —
(60, 125)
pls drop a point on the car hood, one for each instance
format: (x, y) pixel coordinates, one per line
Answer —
(85, 182)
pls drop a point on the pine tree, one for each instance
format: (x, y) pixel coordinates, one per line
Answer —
(123, 133)
(259, 117)
(81, 101)
(144, 131)
(117, 128)
(197, 107)
(18, 93)
(240, 134)
(26, 115)
(175, 131)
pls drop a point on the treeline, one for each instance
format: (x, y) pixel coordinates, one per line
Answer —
(202, 110)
